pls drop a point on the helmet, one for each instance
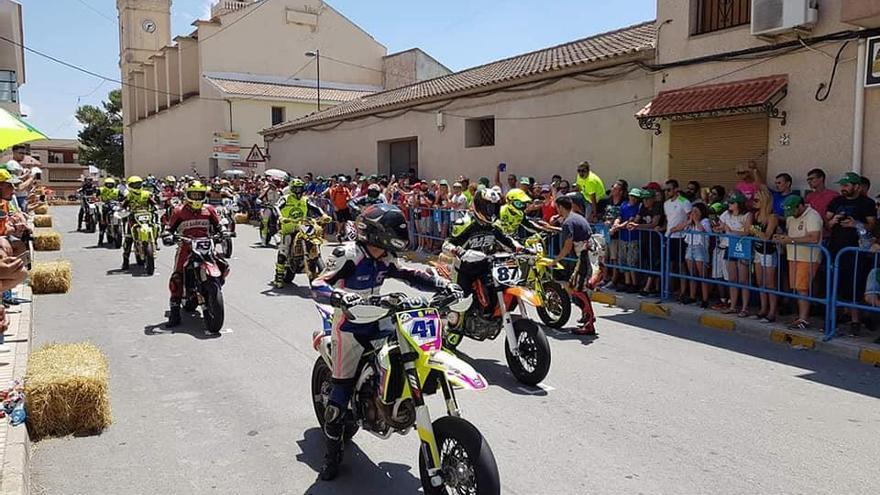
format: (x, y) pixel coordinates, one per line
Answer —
(171, 179)
(487, 202)
(518, 195)
(373, 191)
(196, 194)
(511, 217)
(383, 225)
(109, 182)
(135, 182)
(215, 186)
(224, 182)
(296, 186)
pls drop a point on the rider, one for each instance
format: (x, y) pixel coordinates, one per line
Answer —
(217, 194)
(137, 198)
(88, 190)
(354, 270)
(512, 215)
(108, 192)
(192, 219)
(294, 209)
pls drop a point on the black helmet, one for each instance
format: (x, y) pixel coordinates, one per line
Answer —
(373, 191)
(487, 204)
(383, 226)
(578, 198)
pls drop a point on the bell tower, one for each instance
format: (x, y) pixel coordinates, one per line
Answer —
(144, 28)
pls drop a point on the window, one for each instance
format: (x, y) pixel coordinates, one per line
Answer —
(8, 86)
(715, 15)
(479, 132)
(278, 115)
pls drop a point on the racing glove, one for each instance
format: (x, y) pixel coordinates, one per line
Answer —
(454, 290)
(344, 299)
(472, 256)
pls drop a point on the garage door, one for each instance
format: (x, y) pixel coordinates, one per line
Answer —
(709, 150)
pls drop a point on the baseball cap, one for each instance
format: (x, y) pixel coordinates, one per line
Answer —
(790, 205)
(850, 178)
(5, 176)
(636, 192)
(736, 197)
(444, 182)
(456, 184)
(653, 186)
(545, 188)
(524, 180)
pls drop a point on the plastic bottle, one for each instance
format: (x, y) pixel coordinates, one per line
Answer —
(19, 415)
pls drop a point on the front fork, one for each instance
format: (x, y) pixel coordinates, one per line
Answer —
(507, 323)
(425, 429)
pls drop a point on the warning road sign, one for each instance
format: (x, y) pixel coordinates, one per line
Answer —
(256, 155)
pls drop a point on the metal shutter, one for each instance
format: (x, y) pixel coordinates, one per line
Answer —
(709, 150)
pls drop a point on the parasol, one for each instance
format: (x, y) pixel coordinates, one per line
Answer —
(14, 130)
(234, 173)
(278, 174)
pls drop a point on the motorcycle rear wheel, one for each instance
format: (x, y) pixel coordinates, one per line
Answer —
(213, 312)
(555, 309)
(227, 248)
(321, 385)
(533, 362)
(117, 239)
(467, 464)
(149, 259)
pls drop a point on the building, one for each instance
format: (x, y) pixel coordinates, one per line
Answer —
(59, 161)
(12, 75)
(540, 112)
(199, 103)
(689, 96)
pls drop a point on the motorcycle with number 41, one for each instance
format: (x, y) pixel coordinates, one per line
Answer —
(403, 365)
(204, 274)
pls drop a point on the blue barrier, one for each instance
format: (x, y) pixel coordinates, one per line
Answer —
(862, 282)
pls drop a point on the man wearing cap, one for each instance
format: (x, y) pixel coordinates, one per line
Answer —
(340, 195)
(851, 217)
(803, 225)
(591, 186)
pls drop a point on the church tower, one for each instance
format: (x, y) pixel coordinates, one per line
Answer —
(144, 28)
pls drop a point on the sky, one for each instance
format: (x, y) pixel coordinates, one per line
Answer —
(458, 33)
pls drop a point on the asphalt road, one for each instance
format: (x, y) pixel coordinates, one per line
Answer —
(650, 406)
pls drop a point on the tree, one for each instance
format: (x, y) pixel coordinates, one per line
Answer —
(101, 137)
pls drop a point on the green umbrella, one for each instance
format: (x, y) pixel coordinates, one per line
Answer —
(14, 131)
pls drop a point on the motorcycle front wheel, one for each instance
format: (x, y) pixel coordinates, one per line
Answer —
(149, 259)
(555, 308)
(467, 464)
(227, 248)
(533, 362)
(117, 239)
(213, 312)
(321, 385)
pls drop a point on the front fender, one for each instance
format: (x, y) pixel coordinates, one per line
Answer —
(459, 373)
(523, 294)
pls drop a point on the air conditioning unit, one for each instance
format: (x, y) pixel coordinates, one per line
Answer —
(770, 17)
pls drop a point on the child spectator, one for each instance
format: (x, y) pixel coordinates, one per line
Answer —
(697, 253)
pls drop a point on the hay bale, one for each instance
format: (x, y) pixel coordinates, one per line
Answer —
(41, 209)
(67, 390)
(42, 220)
(241, 218)
(47, 240)
(53, 277)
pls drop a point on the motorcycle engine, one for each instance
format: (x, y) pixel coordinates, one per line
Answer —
(478, 327)
(378, 416)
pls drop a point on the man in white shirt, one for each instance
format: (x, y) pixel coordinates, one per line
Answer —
(677, 209)
(14, 166)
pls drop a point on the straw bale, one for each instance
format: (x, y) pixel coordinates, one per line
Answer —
(47, 240)
(241, 218)
(67, 390)
(41, 209)
(43, 221)
(53, 277)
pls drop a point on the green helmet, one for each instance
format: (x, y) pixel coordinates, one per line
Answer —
(297, 186)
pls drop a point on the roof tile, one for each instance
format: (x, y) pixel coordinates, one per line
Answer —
(284, 91)
(713, 97)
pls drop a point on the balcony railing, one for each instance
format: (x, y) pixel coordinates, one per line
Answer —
(715, 15)
(226, 6)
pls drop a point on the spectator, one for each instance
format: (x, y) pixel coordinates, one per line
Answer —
(714, 194)
(819, 197)
(17, 170)
(458, 200)
(576, 240)
(736, 223)
(692, 192)
(627, 240)
(697, 253)
(442, 205)
(750, 178)
(649, 222)
(548, 204)
(340, 195)
(677, 210)
(562, 188)
(782, 191)
(866, 187)
(592, 187)
(766, 256)
(850, 217)
(511, 179)
(803, 225)
(609, 212)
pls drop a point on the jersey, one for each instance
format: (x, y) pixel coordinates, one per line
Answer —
(187, 222)
(107, 194)
(138, 199)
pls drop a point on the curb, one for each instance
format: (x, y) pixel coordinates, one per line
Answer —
(867, 354)
(15, 471)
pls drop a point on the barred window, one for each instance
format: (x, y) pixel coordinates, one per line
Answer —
(479, 132)
(715, 15)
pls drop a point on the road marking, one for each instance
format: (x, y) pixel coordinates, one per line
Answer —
(542, 386)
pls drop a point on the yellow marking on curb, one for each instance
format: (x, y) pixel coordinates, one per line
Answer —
(655, 309)
(717, 323)
(869, 356)
(604, 298)
(783, 337)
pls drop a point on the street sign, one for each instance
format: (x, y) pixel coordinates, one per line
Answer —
(872, 76)
(256, 155)
(226, 139)
(244, 165)
(225, 156)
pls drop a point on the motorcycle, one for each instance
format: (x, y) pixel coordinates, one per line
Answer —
(91, 216)
(305, 249)
(110, 225)
(226, 212)
(269, 223)
(204, 274)
(395, 373)
(498, 294)
(145, 233)
(555, 309)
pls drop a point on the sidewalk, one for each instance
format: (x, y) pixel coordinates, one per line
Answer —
(14, 442)
(862, 349)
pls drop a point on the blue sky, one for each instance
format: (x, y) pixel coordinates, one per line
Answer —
(458, 33)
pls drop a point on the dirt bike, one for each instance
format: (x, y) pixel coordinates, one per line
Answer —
(497, 295)
(226, 212)
(204, 274)
(145, 233)
(109, 225)
(91, 215)
(395, 373)
(269, 223)
(305, 248)
(116, 225)
(555, 309)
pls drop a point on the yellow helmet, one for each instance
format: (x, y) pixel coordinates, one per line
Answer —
(135, 182)
(518, 195)
(110, 182)
(196, 194)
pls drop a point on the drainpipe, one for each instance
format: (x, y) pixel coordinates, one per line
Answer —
(859, 110)
(230, 114)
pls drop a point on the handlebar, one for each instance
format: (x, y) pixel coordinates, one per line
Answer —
(399, 301)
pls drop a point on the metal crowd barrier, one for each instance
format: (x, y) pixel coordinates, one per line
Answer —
(433, 224)
(857, 289)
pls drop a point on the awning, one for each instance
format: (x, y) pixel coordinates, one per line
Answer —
(746, 96)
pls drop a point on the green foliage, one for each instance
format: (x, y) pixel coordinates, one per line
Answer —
(101, 137)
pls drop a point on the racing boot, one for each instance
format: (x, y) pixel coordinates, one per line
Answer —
(280, 269)
(334, 428)
(588, 320)
(173, 315)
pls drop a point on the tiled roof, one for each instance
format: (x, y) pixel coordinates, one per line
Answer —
(284, 91)
(713, 97)
(547, 61)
